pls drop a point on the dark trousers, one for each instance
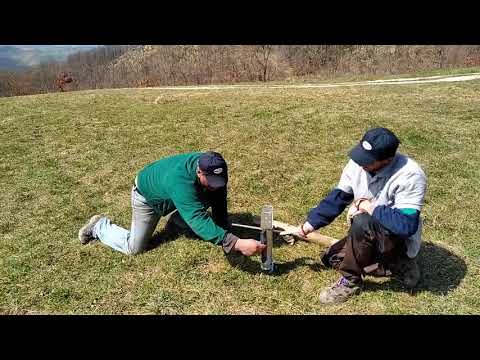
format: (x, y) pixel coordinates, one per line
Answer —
(368, 247)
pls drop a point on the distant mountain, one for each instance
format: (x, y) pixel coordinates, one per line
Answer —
(18, 57)
(10, 58)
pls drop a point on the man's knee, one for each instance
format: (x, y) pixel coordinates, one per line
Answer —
(361, 223)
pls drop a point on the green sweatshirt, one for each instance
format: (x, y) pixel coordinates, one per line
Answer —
(172, 183)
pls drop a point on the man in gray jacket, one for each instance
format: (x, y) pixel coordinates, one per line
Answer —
(387, 190)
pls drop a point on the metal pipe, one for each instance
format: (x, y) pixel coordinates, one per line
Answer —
(254, 227)
(266, 237)
(247, 226)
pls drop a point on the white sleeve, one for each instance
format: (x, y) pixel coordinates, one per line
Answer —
(345, 183)
(411, 194)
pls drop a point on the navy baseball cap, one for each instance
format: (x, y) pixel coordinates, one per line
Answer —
(376, 144)
(215, 168)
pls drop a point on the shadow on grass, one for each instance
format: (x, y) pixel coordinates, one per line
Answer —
(441, 272)
(252, 266)
(246, 264)
(176, 227)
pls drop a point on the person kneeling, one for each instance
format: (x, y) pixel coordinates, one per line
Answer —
(189, 183)
(387, 190)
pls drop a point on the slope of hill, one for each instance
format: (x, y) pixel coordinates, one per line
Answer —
(160, 65)
(68, 156)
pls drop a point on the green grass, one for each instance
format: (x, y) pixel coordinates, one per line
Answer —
(326, 78)
(67, 156)
(335, 78)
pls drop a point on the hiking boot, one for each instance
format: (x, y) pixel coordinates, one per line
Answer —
(85, 234)
(341, 291)
(407, 271)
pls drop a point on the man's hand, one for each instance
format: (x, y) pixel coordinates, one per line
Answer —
(249, 247)
(305, 229)
(365, 206)
(352, 211)
(301, 231)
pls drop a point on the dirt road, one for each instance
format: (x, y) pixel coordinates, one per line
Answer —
(400, 81)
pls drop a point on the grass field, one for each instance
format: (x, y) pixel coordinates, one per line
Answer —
(67, 156)
(335, 78)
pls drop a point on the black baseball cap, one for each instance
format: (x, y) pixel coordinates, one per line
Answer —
(376, 144)
(215, 168)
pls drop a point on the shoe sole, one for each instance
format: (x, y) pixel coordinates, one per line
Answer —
(92, 221)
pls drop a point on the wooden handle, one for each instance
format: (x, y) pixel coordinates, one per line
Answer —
(314, 237)
(317, 238)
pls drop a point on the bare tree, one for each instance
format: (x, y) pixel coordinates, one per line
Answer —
(262, 54)
(138, 65)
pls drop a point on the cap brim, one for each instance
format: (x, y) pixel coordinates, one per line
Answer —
(216, 181)
(361, 156)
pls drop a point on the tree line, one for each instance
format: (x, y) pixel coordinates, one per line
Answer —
(116, 66)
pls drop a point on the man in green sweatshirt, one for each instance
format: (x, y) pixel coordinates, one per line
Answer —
(189, 183)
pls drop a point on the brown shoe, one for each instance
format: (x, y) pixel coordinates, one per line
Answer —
(341, 291)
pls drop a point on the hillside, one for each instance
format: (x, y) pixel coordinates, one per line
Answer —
(122, 66)
(68, 156)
